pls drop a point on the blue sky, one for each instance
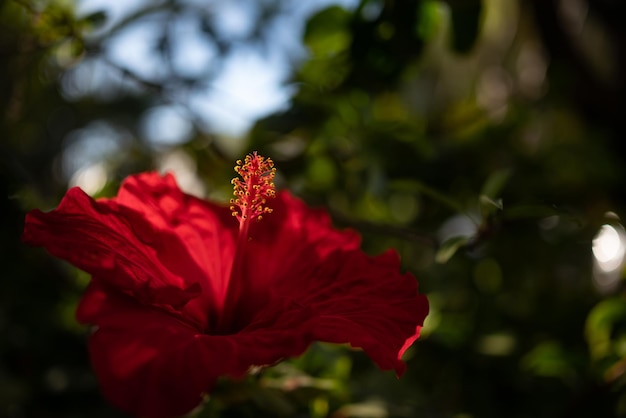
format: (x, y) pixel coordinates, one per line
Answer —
(249, 84)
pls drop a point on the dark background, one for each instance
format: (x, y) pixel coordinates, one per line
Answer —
(483, 140)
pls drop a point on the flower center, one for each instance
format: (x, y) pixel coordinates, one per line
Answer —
(252, 190)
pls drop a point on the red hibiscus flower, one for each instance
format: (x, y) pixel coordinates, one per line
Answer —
(184, 291)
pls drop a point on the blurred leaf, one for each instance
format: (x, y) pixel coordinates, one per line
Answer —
(319, 407)
(548, 359)
(417, 186)
(94, 20)
(69, 52)
(601, 324)
(495, 183)
(488, 206)
(321, 172)
(326, 32)
(496, 344)
(429, 19)
(449, 248)
(489, 200)
(518, 212)
(488, 276)
(371, 409)
(272, 401)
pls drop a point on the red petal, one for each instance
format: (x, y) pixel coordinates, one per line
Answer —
(146, 360)
(285, 245)
(301, 267)
(351, 298)
(152, 365)
(207, 231)
(100, 240)
(204, 231)
(152, 241)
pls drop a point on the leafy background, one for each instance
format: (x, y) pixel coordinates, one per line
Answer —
(482, 139)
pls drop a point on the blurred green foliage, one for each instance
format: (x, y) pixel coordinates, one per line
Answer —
(482, 139)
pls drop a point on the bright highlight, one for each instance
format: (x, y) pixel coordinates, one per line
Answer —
(608, 248)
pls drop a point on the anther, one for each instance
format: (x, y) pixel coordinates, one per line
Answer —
(253, 188)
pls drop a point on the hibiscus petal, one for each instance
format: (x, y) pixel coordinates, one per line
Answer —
(101, 239)
(146, 360)
(352, 298)
(152, 365)
(206, 230)
(285, 245)
(152, 240)
(205, 235)
(304, 268)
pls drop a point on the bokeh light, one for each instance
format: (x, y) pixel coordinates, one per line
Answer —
(608, 250)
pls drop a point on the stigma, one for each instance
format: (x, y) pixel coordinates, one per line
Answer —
(253, 187)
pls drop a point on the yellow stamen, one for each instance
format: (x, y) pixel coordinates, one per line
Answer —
(255, 186)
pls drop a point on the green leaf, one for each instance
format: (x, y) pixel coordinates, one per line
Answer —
(601, 322)
(520, 212)
(495, 183)
(489, 206)
(449, 248)
(548, 359)
(327, 32)
(429, 19)
(417, 186)
(94, 20)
